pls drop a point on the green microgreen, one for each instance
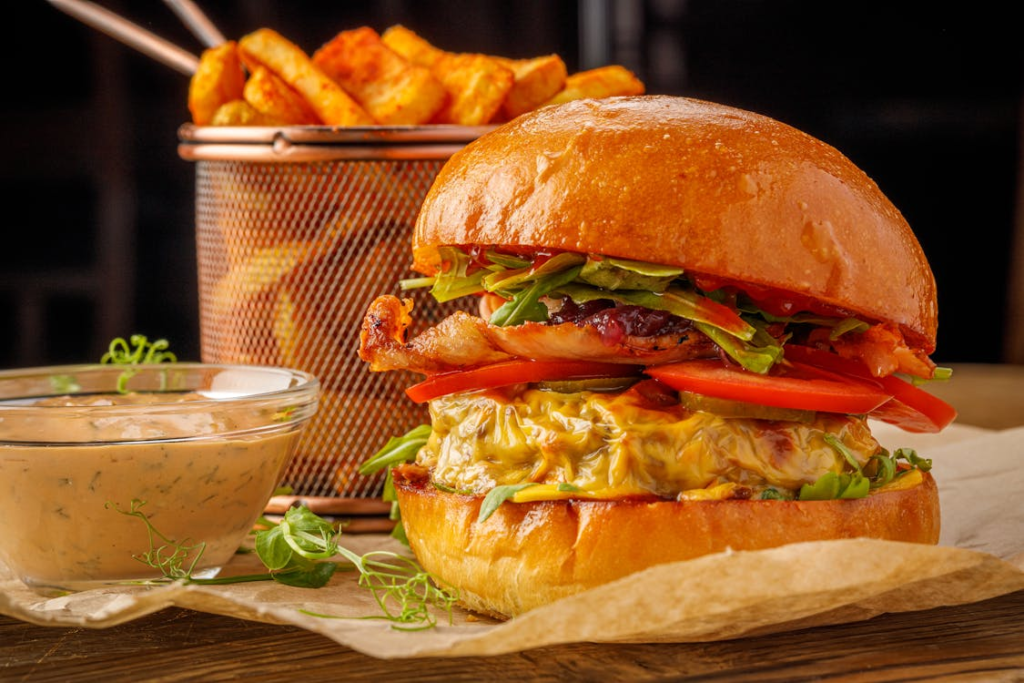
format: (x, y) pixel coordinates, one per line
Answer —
(298, 551)
(138, 350)
(407, 595)
(176, 560)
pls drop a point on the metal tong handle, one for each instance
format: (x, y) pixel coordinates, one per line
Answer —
(200, 25)
(130, 34)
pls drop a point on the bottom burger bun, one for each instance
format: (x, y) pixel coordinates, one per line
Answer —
(527, 555)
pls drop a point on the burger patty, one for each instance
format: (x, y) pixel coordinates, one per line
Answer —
(621, 444)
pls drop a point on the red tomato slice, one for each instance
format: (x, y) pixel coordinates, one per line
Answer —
(911, 408)
(796, 387)
(513, 372)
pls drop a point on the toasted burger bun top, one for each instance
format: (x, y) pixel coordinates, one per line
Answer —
(719, 191)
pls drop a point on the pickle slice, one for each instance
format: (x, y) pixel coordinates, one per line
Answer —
(573, 386)
(731, 409)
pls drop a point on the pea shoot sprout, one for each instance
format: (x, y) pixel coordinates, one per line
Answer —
(121, 352)
(138, 350)
(298, 551)
(164, 554)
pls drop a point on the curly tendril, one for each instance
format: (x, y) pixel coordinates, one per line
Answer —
(121, 352)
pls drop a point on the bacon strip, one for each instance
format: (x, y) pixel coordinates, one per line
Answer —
(462, 341)
(455, 343)
(883, 349)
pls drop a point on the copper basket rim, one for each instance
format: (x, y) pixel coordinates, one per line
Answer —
(284, 144)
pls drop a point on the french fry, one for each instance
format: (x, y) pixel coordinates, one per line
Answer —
(241, 113)
(605, 81)
(218, 79)
(363, 78)
(537, 80)
(272, 97)
(411, 46)
(391, 88)
(476, 84)
(330, 102)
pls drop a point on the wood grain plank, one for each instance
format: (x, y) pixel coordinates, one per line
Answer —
(983, 641)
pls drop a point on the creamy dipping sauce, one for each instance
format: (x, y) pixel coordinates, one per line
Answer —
(57, 525)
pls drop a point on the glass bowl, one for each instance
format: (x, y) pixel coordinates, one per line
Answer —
(106, 470)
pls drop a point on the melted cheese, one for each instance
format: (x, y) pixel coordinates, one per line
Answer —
(611, 445)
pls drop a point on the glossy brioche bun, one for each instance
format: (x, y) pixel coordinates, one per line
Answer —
(529, 554)
(716, 190)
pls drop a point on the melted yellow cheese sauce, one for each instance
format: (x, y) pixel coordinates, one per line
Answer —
(611, 445)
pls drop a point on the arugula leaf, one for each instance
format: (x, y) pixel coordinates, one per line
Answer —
(856, 484)
(840, 326)
(498, 495)
(509, 282)
(915, 461)
(720, 323)
(455, 280)
(847, 325)
(885, 470)
(676, 300)
(643, 268)
(853, 485)
(416, 283)
(825, 488)
(833, 441)
(523, 307)
(613, 274)
(526, 306)
(759, 359)
(397, 450)
(507, 260)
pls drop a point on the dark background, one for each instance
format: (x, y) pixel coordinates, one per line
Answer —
(98, 235)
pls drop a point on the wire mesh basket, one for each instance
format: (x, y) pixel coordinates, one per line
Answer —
(297, 231)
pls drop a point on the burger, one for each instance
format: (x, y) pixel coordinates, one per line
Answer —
(683, 319)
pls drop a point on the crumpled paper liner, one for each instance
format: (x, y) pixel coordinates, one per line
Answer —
(728, 595)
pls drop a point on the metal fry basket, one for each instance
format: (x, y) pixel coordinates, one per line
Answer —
(298, 229)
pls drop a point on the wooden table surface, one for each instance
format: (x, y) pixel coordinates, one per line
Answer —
(978, 642)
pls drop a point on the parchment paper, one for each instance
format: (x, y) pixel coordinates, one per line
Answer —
(980, 555)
